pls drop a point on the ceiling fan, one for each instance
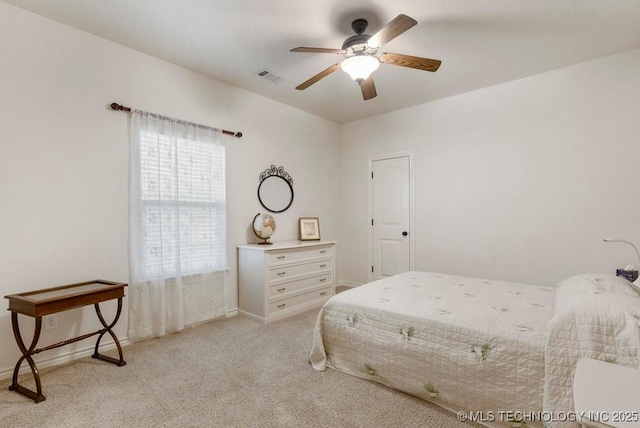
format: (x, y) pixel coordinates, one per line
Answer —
(362, 57)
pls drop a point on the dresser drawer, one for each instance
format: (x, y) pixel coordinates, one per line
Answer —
(301, 284)
(300, 299)
(298, 254)
(297, 270)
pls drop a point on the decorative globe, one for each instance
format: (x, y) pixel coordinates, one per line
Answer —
(264, 225)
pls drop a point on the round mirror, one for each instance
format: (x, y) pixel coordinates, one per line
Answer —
(275, 191)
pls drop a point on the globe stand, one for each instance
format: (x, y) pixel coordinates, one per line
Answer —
(260, 232)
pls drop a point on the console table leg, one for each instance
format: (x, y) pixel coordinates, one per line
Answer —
(26, 355)
(107, 328)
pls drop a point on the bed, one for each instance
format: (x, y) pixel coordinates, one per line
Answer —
(502, 352)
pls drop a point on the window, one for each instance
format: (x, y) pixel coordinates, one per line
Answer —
(182, 206)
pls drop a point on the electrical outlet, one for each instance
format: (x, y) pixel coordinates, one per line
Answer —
(50, 322)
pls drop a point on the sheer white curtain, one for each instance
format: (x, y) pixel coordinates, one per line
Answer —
(177, 225)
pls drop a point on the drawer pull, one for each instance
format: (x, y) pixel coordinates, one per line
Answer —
(282, 305)
(280, 290)
(323, 251)
(323, 293)
(281, 257)
(323, 266)
(281, 273)
(323, 279)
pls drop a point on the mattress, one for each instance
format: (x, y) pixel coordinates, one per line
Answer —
(499, 351)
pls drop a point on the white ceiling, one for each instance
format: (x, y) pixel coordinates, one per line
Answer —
(480, 42)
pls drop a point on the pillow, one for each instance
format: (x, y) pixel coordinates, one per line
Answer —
(582, 288)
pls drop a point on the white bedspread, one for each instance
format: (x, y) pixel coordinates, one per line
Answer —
(597, 316)
(464, 343)
(478, 345)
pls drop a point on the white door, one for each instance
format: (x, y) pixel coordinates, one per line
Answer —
(390, 217)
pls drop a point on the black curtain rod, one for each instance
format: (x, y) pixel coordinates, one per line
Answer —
(116, 106)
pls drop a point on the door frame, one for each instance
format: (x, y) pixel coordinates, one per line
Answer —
(412, 198)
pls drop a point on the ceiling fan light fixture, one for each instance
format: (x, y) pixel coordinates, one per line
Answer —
(362, 57)
(360, 67)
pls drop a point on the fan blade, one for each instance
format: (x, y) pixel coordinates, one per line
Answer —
(416, 62)
(317, 77)
(319, 50)
(368, 89)
(393, 29)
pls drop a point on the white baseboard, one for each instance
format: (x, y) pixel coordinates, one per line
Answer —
(347, 284)
(63, 359)
(232, 312)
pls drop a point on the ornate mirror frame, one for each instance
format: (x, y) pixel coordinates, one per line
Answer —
(284, 196)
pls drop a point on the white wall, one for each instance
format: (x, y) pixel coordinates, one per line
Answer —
(518, 181)
(64, 161)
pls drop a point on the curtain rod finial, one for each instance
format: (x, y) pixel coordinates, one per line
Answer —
(116, 106)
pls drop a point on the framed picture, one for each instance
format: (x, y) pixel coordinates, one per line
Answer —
(308, 229)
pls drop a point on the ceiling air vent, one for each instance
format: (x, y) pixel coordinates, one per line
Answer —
(270, 75)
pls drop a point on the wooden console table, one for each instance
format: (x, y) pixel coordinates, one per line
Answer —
(49, 301)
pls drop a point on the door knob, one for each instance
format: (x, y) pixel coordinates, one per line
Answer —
(405, 233)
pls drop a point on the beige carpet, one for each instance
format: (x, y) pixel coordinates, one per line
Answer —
(230, 373)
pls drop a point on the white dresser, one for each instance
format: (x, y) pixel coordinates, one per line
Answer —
(286, 278)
